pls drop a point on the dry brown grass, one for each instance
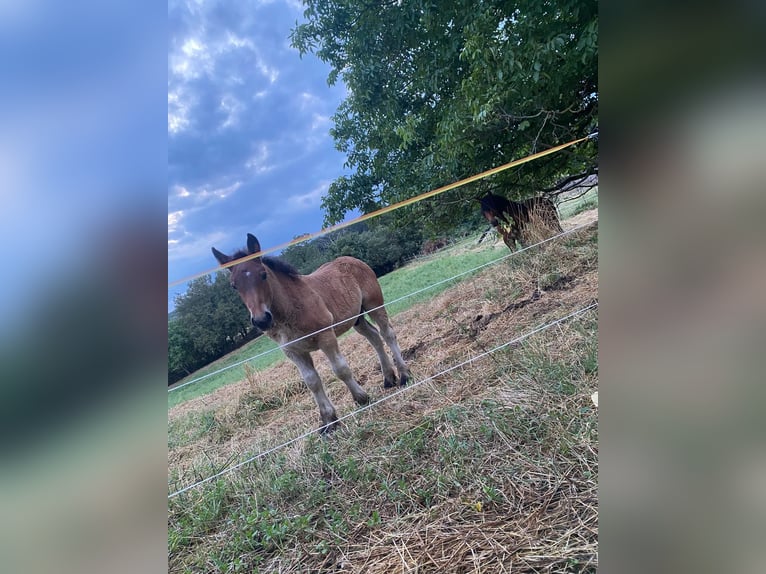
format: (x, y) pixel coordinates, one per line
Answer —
(515, 432)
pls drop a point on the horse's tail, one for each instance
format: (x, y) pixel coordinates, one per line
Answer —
(549, 213)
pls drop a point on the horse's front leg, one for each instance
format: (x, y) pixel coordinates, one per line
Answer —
(508, 238)
(329, 346)
(305, 365)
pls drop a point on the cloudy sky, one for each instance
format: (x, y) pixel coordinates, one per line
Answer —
(248, 122)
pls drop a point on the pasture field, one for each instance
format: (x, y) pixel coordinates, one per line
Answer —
(232, 375)
(421, 273)
(490, 467)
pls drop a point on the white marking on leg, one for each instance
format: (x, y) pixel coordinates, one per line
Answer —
(343, 371)
(310, 376)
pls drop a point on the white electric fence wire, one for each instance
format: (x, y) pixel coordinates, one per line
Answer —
(282, 346)
(354, 413)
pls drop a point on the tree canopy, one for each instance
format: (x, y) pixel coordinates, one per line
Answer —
(439, 91)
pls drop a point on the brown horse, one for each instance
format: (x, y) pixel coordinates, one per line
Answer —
(287, 306)
(511, 218)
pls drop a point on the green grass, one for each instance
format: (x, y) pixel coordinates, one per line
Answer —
(251, 349)
(430, 270)
(492, 467)
(571, 208)
(189, 428)
(462, 464)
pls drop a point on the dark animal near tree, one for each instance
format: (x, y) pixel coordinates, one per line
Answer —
(512, 218)
(287, 306)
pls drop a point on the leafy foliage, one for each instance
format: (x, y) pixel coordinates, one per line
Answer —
(210, 322)
(442, 90)
(382, 247)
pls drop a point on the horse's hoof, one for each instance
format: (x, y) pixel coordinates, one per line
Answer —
(364, 400)
(403, 381)
(329, 427)
(389, 383)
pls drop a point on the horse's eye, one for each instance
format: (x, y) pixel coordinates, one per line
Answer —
(233, 286)
(263, 276)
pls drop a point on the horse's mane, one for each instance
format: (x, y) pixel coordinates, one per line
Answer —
(275, 264)
(280, 266)
(493, 202)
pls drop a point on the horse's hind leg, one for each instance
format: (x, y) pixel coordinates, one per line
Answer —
(387, 332)
(310, 376)
(369, 332)
(509, 238)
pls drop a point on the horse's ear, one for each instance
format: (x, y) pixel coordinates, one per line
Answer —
(222, 258)
(252, 244)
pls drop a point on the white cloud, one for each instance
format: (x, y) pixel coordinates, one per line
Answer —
(233, 109)
(310, 200)
(236, 42)
(178, 112)
(205, 193)
(319, 121)
(269, 72)
(193, 59)
(198, 56)
(259, 160)
(195, 199)
(296, 5)
(308, 100)
(181, 191)
(188, 247)
(174, 219)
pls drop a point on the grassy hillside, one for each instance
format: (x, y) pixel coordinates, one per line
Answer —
(490, 467)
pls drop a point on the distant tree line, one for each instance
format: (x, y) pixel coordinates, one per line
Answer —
(209, 321)
(382, 247)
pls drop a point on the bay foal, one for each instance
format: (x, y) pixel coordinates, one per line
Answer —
(287, 306)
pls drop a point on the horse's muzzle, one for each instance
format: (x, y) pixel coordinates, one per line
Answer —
(264, 322)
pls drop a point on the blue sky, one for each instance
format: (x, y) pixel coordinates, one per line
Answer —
(249, 148)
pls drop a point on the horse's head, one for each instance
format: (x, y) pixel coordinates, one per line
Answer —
(490, 216)
(251, 280)
(491, 209)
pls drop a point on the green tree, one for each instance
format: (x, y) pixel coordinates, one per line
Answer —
(181, 357)
(210, 322)
(442, 90)
(307, 256)
(380, 245)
